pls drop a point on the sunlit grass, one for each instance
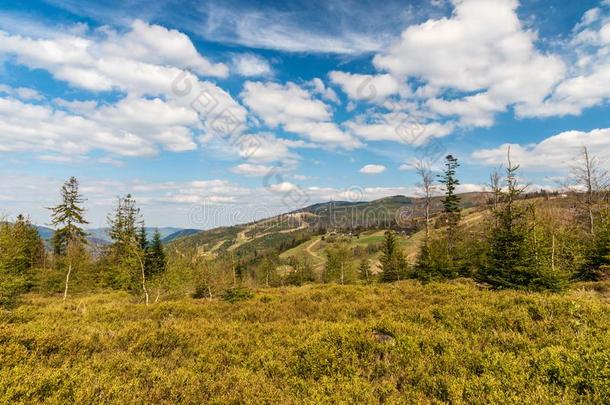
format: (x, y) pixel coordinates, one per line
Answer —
(441, 342)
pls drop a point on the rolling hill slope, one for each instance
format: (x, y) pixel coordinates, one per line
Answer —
(287, 231)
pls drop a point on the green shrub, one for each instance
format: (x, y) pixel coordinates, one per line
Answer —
(237, 294)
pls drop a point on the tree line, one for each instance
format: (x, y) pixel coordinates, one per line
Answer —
(514, 242)
(131, 262)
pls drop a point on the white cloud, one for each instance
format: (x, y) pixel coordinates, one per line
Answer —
(586, 85)
(373, 169)
(249, 65)
(145, 59)
(554, 153)
(132, 127)
(252, 170)
(372, 88)
(326, 92)
(160, 46)
(398, 127)
(482, 48)
(278, 104)
(297, 111)
(22, 93)
(278, 30)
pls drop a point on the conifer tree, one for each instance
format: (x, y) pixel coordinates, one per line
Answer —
(142, 237)
(67, 217)
(126, 249)
(337, 263)
(21, 248)
(510, 263)
(364, 270)
(393, 262)
(155, 255)
(451, 202)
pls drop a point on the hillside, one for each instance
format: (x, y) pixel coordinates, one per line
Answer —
(99, 236)
(288, 230)
(394, 343)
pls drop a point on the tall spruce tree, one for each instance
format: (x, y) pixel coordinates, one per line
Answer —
(512, 256)
(451, 202)
(126, 250)
(452, 212)
(156, 261)
(393, 263)
(21, 248)
(67, 217)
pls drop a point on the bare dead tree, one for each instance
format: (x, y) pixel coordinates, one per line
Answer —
(138, 253)
(427, 188)
(589, 179)
(495, 185)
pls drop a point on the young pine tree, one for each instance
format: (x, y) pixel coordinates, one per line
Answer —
(510, 261)
(126, 253)
(21, 249)
(364, 270)
(67, 217)
(393, 263)
(156, 260)
(337, 267)
(452, 210)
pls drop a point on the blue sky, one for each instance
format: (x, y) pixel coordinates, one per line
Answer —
(213, 112)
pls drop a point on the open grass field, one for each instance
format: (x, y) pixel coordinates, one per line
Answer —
(399, 343)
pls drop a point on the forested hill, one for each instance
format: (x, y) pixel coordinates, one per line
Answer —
(399, 212)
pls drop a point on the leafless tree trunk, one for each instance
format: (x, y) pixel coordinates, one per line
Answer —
(553, 255)
(68, 278)
(590, 178)
(426, 184)
(142, 267)
(495, 185)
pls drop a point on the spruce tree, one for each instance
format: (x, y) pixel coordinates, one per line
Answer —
(142, 237)
(69, 238)
(337, 268)
(509, 261)
(68, 218)
(393, 262)
(451, 202)
(126, 252)
(155, 255)
(364, 270)
(21, 248)
(452, 212)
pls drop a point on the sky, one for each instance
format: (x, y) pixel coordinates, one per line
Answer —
(220, 112)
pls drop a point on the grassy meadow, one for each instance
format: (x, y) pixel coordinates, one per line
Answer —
(451, 342)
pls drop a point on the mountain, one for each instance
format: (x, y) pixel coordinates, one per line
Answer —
(99, 236)
(284, 231)
(180, 234)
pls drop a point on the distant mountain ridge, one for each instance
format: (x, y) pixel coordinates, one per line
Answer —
(395, 212)
(99, 236)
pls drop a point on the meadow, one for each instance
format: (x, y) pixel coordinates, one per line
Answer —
(406, 342)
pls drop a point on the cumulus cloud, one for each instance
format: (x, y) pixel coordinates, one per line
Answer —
(398, 127)
(373, 169)
(294, 108)
(557, 151)
(585, 86)
(144, 59)
(482, 47)
(164, 104)
(249, 65)
(372, 88)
